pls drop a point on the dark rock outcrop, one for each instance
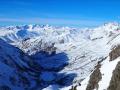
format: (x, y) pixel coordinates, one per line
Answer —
(95, 77)
(73, 88)
(114, 53)
(115, 80)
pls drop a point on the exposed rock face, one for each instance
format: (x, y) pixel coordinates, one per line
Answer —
(115, 80)
(73, 88)
(61, 41)
(115, 53)
(36, 46)
(95, 77)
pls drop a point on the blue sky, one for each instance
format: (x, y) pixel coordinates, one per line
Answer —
(59, 12)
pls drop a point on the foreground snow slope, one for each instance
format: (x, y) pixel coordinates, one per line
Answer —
(18, 71)
(13, 66)
(106, 71)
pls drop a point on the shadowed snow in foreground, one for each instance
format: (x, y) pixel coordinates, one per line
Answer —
(19, 71)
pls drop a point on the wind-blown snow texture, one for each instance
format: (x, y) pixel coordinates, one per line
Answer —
(62, 52)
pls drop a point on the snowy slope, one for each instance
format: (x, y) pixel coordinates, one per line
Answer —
(18, 71)
(13, 66)
(106, 71)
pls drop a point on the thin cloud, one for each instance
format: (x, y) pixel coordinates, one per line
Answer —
(51, 21)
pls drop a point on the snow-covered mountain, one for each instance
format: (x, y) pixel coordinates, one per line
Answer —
(15, 68)
(19, 71)
(67, 56)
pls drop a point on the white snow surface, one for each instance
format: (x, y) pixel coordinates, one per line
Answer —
(106, 71)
